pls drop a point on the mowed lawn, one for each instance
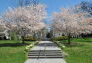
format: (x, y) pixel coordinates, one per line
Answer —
(80, 51)
(12, 52)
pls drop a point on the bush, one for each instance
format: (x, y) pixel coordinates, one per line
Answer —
(29, 38)
(27, 48)
(60, 38)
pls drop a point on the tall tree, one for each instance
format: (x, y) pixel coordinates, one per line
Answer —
(27, 18)
(84, 6)
(28, 2)
(70, 23)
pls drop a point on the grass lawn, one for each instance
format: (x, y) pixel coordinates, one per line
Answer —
(12, 52)
(80, 52)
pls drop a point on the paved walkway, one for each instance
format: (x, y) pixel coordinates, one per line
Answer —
(45, 52)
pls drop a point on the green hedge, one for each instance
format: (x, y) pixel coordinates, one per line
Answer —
(60, 38)
(27, 48)
(30, 38)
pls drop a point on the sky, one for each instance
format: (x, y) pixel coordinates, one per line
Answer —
(55, 5)
(52, 5)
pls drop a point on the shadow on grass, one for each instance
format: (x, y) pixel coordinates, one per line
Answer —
(73, 44)
(13, 44)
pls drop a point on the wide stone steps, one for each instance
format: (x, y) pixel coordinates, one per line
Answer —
(45, 54)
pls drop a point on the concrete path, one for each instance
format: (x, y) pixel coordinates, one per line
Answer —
(45, 52)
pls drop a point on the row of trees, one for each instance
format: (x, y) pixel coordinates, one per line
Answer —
(29, 19)
(73, 21)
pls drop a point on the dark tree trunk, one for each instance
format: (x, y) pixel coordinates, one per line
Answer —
(69, 39)
(23, 41)
(23, 32)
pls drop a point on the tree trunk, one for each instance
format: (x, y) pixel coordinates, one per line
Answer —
(23, 40)
(69, 39)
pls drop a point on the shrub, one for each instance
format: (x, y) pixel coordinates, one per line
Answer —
(60, 38)
(27, 48)
(30, 38)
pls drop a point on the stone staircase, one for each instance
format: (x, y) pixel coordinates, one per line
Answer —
(45, 54)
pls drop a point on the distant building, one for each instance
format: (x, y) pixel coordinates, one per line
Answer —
(4, 34)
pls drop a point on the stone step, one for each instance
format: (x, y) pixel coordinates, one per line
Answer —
(45, 53)
(45, 50)
(45, 56)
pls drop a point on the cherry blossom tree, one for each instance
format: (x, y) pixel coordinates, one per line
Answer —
(70, 23)
(2, 25)
(26, 19)
(3, 30)
(84, 6)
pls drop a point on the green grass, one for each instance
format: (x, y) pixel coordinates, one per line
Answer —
(80, 51)
(12, 52)
(79, 40)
